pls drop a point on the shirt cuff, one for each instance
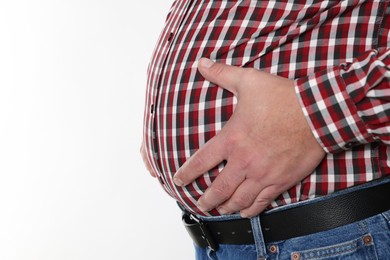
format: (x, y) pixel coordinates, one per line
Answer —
(330, 111)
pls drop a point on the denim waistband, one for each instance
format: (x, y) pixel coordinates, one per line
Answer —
(256, 221)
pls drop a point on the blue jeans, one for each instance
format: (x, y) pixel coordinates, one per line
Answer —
(366, 239)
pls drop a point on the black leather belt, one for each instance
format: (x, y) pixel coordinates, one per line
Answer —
(294, 222)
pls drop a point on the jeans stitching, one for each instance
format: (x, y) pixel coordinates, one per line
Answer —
(350, 246)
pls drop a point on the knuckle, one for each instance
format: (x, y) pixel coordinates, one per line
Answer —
(249, 75)
(197, 163)
(243, 200)
(218, 70)
(251, 72)
(221, 190)
(244, 163)
(262, 201)
(243, 159)
(233, 141)
(266, 197)
(257, 207)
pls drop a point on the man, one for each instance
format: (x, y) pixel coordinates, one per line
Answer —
(299, 170)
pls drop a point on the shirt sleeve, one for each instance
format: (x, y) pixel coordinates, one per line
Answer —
(349, 104)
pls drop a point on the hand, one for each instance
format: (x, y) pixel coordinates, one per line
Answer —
(267, 143)
(146, 161)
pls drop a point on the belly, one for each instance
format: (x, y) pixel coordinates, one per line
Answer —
(189, 113)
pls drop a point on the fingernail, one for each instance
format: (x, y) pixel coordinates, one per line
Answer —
(207, 63)
(244, 215)
(178, 182)
(222, 211)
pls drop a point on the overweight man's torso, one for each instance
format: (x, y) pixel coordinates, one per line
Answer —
(293, 40)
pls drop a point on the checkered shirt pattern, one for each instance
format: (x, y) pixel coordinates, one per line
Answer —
(338, 53)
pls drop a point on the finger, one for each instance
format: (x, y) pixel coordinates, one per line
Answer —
(146, 161)
(149, 168)
(228, 77)
(261, 202)
(242, 198)
(206, 158)
(222, 188)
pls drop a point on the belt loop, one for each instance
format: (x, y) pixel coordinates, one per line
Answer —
(386, 214)
(259, 238)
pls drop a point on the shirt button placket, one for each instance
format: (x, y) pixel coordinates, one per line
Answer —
(165, 47)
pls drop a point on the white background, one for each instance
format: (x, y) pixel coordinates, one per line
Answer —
(72, 183)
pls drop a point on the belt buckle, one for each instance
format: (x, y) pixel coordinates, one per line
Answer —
(206, 234)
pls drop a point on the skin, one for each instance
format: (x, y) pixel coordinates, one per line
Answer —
(146, 161)
(267, 143)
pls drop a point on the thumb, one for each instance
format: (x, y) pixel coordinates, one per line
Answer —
(226, 76)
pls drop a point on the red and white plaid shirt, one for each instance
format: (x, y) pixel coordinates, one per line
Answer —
(338, 52)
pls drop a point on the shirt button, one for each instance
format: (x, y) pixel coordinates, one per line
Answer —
(170, 37)
(350, 145)
(161, 180)
(152, 108)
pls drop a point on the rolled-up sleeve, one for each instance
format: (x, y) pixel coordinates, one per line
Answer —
(349, 104)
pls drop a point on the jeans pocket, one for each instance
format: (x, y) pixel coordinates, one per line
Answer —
(360, 248)
(386, 215)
